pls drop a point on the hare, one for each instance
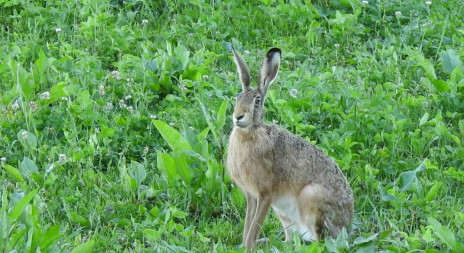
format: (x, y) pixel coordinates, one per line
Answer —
(275, 168)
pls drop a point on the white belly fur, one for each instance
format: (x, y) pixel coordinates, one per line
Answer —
(287, 206)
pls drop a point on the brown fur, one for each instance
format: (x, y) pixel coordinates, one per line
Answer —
(274, 167)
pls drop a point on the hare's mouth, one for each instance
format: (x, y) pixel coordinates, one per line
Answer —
(242, 121)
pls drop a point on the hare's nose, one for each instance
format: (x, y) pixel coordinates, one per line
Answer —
(238, 118)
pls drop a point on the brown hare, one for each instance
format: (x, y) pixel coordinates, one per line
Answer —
(275, 168)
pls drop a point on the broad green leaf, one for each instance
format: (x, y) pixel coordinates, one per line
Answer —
(237, 197)
(179, 214)
(137, 172)
(167, 165)
(408, 179)
(424, 119)
(28, 166)
(175, 140)
(267, 2)
(41, 62)
(385, 196)
(450, 60)
(4, 220)
(367, 248)
(341, 243)
(26, 83)
(209, 120)
(86, 247)
(426, 65)
(330, 245)
(183, 168)
(455, 174)
(16, 237)
(455, 139)
(19, 207)
(440, 85)
(314, 247)
(83, 100)
(457, 76)
(221, 115)
(182, 55)
(50, 237)
(202, 136)
(204, 143)
(151, 234)
(27, 138)
(363, 240)
(443, 233)
(14, 173)
(195, 155)
(58, 91)
(77, 218)
(433, 191)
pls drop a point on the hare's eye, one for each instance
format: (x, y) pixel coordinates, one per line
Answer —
(258, 101)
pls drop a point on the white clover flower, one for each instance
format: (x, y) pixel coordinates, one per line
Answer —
(101, 90)
(97, 130)
(246, 52)
(153, 116)
(24, 134)
(337, 45)
(108, 106)
(58, 30)
(144, 21)
(205, 77)
(274, 121)
(3, 159)
(45, 95)
(115, 75)
(428, 3)
(191, 128)
(293, 92)
(130, 109)
(127, 97)
(130, 81)
(15, 106)
(122, 104)
(64, 98)
(171, 124)
(62, 158)
(365, 2)
(398, 13)
(33, 106)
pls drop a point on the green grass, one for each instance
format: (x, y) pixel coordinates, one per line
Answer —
(116, 114)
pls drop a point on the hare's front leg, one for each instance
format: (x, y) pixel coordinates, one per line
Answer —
(250, 214)
(262, 207)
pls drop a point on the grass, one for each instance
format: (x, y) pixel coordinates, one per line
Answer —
(116, 117)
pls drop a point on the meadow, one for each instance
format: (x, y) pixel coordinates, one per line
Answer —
(115, 118)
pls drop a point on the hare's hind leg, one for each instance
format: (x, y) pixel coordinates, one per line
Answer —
(311, 200)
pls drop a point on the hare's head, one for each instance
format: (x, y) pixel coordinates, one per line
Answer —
(249, 107)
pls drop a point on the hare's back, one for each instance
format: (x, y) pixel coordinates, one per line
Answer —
(297, 159)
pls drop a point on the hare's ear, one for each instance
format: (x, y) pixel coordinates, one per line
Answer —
(269, 70)
(242, 69)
